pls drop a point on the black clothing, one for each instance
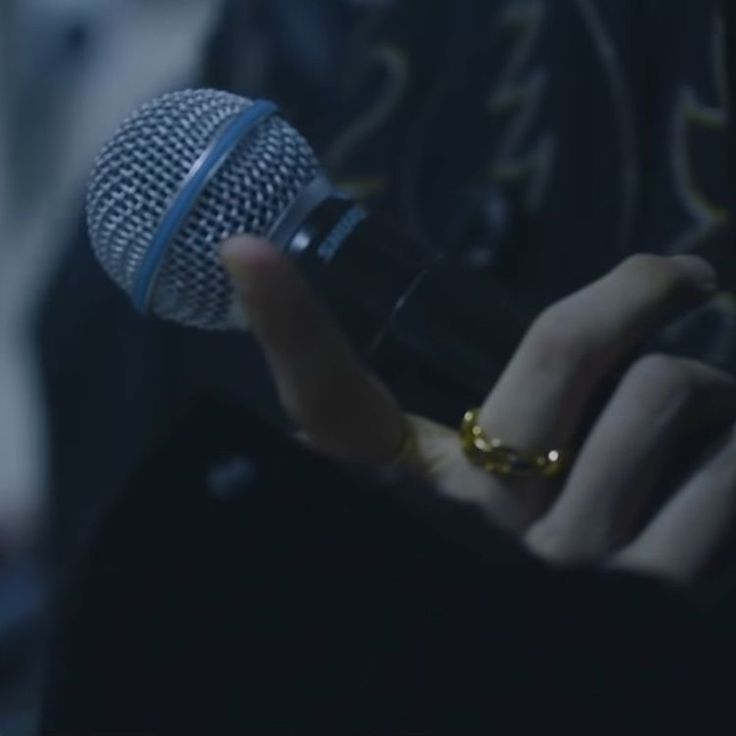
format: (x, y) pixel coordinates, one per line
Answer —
(295, 596)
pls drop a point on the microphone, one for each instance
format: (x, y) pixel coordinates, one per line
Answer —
(195, 167)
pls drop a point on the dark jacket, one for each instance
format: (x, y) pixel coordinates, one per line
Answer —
(241, 585)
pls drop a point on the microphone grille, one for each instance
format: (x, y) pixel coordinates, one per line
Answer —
(140, 172)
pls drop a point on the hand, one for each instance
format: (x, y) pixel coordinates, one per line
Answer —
(610, 508)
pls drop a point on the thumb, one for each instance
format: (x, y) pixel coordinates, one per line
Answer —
(343, 409)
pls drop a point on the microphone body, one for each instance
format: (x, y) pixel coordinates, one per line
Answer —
(440, 316)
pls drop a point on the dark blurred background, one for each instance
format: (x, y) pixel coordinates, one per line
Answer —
(70, 70)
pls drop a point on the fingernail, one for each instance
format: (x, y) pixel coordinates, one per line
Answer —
(230, 252)
(235, 254)
(698, 270)
(241, 308)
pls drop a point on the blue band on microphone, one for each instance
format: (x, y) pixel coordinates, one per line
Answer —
(198, 178)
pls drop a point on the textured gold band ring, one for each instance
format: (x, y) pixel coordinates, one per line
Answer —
(497, 458)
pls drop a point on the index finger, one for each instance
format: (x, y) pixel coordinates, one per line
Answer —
(340, 405)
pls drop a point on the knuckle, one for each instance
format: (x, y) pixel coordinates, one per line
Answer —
(544, 540)
(643, 263)
(551, 541)
(658, 381)
(646, 265)
(557, 338)
(658, 272)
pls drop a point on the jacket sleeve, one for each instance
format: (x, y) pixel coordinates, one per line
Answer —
(240, 584)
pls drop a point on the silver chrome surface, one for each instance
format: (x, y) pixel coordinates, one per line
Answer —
(283, 230)
(139, 173)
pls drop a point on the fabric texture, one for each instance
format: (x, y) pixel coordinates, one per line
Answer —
(302, 597)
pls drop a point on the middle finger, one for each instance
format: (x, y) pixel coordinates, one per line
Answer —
(622, 466)
(542, 399)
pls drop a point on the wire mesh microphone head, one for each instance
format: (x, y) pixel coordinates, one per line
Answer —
(139, 175)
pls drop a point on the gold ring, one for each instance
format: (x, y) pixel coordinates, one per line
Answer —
(494, 456)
